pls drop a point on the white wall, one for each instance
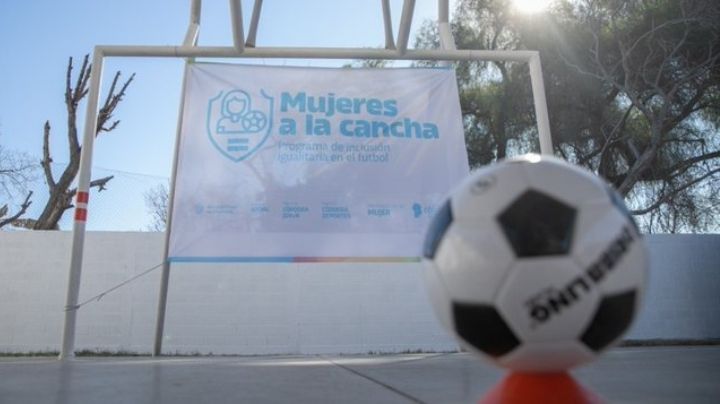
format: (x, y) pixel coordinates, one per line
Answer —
(219, 308)
(285, 308)
(683, 296)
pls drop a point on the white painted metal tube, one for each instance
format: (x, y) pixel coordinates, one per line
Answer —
(541, 110)
(165, 277)
(447, 42)
(237, 25)
(316, 53)
(83, 187)
(254, 21)
(405, 23)
(443, 11)
(195, 8)
(387, 22)
(191, 36)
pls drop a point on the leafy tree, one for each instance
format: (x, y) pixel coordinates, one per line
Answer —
(495, 96)
(633, 92)
(657, 63)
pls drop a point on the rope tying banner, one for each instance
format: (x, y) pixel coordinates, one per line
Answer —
(118, 286)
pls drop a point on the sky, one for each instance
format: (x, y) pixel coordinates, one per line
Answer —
(37, 37)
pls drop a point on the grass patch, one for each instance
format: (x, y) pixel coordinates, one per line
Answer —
(670, 342)
(104, 352)
(29, 354)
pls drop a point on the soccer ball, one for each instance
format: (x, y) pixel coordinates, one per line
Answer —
(535, 264)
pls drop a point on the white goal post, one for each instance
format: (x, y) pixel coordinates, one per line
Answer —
(244, 47)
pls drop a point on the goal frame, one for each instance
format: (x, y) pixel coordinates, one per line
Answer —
(244, 47)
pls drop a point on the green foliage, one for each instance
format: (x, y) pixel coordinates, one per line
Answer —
(633, 92)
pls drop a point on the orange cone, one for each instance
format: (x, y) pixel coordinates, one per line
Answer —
(539, 388)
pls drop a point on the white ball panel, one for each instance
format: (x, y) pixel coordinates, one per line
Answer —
(473, 260)
(487, 191)
(550, 356)
(594, 223)
(543, 300)
(631, 272)
(437, 294)
(566, 182)
(601, 228)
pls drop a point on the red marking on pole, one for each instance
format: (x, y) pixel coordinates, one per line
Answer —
(80, 214)
(83, 197)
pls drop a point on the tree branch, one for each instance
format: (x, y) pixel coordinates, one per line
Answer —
(685, 164)
(111, 102)
(100, 184)
(82, 80)
(68, 87)
(613, 138)
(689, 108)
(23, 208)
(667, 195)
(71, 103)
(47, 160)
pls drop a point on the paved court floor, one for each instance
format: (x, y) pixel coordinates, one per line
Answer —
(624, 375)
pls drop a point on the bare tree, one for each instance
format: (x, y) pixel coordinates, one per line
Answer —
(60, 189)
(17, 171)
(156, 200)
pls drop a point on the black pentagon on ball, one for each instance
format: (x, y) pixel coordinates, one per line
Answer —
(612, 317)
(536, 224)
(482, 327)
(437, 229)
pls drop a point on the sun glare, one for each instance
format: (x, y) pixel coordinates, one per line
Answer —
(530, 6)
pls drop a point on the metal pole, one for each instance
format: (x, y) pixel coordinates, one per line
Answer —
(195, 9)
(316, 53)
(237, 25)
(254, 21)
(387, 21)
(165, 278)
(193, 31)
(405, 23)
(443, 11)
(190, 40)
(191, 36)
(82, 196)
(540, 101)
(447, 42)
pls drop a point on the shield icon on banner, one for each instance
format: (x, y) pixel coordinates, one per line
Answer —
(239, 124)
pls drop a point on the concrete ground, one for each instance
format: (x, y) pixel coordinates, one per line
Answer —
(623, 375)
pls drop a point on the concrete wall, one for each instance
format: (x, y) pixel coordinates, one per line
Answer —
(286, 308)
(683, 296)
(219, 308)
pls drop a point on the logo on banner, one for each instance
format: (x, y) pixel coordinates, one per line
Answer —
(238, 124)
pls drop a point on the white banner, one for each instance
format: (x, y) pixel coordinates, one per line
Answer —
(303, 164)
